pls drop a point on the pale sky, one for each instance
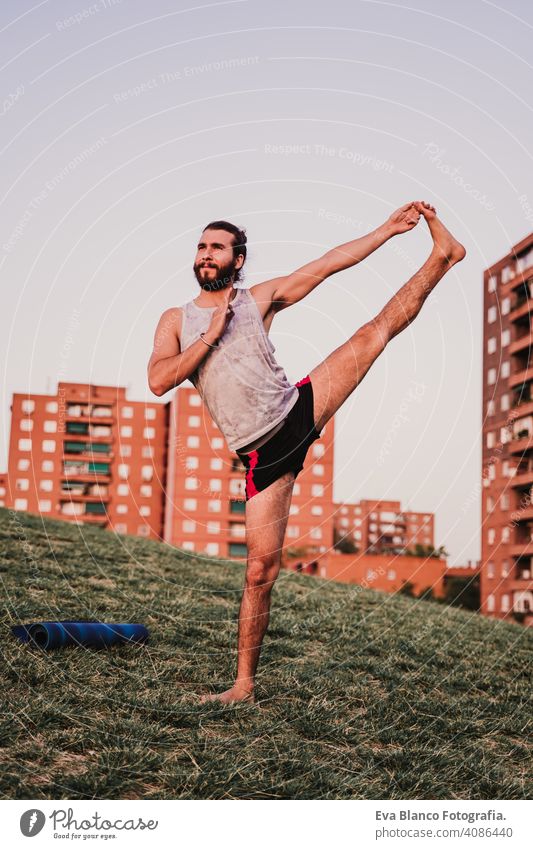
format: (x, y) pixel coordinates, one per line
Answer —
(127, 126)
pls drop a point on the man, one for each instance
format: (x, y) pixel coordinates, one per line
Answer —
(220, 342)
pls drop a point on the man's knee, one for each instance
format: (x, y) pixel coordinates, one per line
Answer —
(375, 335)
(262, 571)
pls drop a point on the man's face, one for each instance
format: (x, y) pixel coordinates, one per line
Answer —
(214, 265)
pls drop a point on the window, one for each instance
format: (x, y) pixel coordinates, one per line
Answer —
(212, 548)
(344, 509)
(46, 485)
(345, 522)
(491, 345)
(143, 530)
(22, 484)
(191, 483)
(194, 400)
(296, 489)
(213, 527)
(193, 442)
(491, 407)
(24, 444)
(492, 283)
(505, 569)
(51, 407)
(150, 413)
(50, 426)
(318, 450)
(216, 464)
(506, 337)
(149, 433)
(47, 466)
(122, 508)
(49, 446)
(491, 315)
(293, 531)
(194, 421)
(491, 376)
(125, 450)
(490, 536)
(506, 534)
(214, 505)
(45, 506)
(215, 485)
(490, 569)
(506, 306)
(237, 506)
(188, 526)
(504, 402)
(23, 465)
(490, 439)
(126, 430)
(217, 442)
(191, 462)
(21, 504)
(146, 490)
(190, 504)
(121, 528)
(145, 510)
(27, 406)
(317, 489)
(490, 603)
(293, 510)
(391, 574)
(127, 412)
(505, 603)
(123, 489)
(316, 533)
(26, 424)
(507, 273)
(317, 510)
(506, 368)
(147, 473)
(237, 549)
(490, 503)
(123, 471)
(188, 546)
(147, 451)
(318, 469)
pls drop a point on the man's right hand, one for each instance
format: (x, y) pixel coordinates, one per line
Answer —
(220, 318)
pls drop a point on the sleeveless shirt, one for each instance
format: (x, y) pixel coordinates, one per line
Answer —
(245, 390)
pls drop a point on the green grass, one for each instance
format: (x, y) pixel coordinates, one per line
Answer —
(362, 695)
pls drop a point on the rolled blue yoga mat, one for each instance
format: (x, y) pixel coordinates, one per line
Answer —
(56, 635)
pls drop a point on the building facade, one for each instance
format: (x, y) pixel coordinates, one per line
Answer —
(205, 506)
(380, 527)
(507, 453)
(88, 455)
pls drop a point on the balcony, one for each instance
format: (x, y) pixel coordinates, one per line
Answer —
(523, 478)
(524, 342)
(522, 583)
(521, 377)
(522, 549)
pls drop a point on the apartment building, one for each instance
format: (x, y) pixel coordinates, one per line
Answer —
(205, 506)
(381, 527)
(507, 454)
(89, 455)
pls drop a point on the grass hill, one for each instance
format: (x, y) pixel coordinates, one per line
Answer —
(361, 694)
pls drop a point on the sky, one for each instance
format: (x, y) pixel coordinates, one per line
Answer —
(127, 126)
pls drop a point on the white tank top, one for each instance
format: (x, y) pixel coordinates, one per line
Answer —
(245, 390)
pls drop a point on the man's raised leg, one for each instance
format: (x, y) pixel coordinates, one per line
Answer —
(266, 520)
(335, 378)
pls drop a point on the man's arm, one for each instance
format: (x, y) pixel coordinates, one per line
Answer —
(281, 292)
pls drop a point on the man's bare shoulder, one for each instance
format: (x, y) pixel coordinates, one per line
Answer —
(172, 320)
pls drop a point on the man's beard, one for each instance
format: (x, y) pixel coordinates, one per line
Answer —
(222, 277)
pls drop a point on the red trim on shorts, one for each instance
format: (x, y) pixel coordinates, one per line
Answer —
(303, 380)
(250, 485)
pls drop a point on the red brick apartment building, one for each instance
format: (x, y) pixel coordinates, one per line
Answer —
(379, 527)
(205, 487)
(89, 455)
(507, 454)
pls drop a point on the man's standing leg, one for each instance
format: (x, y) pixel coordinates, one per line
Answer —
(334, 379)
(266, 520)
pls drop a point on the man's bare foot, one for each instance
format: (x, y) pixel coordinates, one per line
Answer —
(445, 243)
(234, 694)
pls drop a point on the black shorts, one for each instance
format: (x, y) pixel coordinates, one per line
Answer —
(286, 450)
